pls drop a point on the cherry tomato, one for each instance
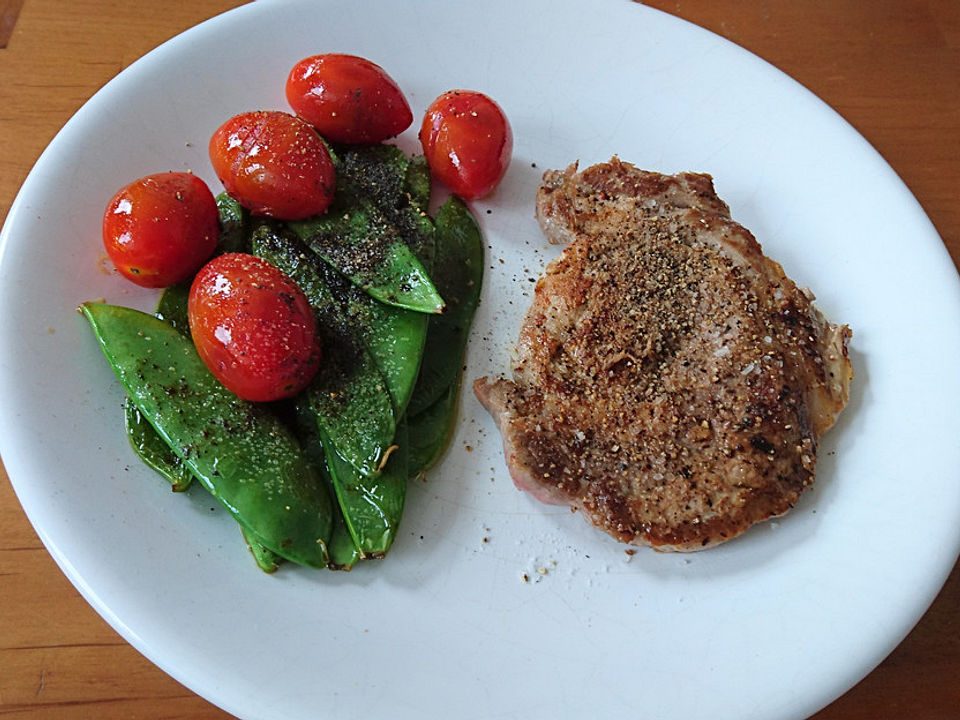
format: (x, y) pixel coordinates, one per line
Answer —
(159, 229)
(253, 327)
(273, 164)
(467, 142)
(348, 99)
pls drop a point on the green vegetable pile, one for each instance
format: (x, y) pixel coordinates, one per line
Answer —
(319, 479)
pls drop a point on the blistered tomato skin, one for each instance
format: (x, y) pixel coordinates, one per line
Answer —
(253, 328)
(348, 99)
(274, 164)
(467, 142)
(159, 229)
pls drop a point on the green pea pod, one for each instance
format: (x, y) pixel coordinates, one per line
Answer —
(238, 450)
(143, 438)
(458, 273)
(342, 549)
(365, 246)
(235, 229)
(394, 336)
(372, 507)
(377, 231)
(375, 172)
(420, 227)
(417, 182)
(234, 237)
(173, 307)
(430, 431)
(153, 450)
(368, 511)
(235, 225)
(266, 559)
(385, 175)
(349, 393)
(398, 186)
(151, 447)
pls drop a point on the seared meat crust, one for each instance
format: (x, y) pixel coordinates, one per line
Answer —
(671, 382)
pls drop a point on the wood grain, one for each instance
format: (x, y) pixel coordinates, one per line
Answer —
(891, 67)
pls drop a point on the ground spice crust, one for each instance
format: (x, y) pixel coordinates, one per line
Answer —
(672, 382)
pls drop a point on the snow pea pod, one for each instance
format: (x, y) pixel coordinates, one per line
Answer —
(363, 244)
(375, 172)
(400, 187)
(458, 274)
(173, 307)
(394, 336)
(143, 438)
(430, 431)
(234, 237)
(266, 559)
(349, 393)
(235, 225)
(151, 447)
(377, 231)
(396, 185)
(342, 549)
(372, 507)
(240, 452)
(414, 216)
(344, 553)
(417, 182)
(153, 450)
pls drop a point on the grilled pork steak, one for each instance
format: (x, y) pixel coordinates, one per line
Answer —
(671, 382)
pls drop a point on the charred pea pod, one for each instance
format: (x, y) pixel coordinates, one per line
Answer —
(458, 273)
(349, 394)
(239, 451)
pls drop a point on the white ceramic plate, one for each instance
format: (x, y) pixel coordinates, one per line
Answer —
(773, 625)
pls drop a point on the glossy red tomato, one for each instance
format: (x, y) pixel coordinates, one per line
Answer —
(273, 164)
(348, 99)
(159, 229)
(467, 142)
(253, 327)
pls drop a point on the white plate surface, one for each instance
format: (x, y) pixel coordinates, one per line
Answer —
(771, 626)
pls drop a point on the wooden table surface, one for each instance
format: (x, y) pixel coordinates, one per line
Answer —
(891, 67)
